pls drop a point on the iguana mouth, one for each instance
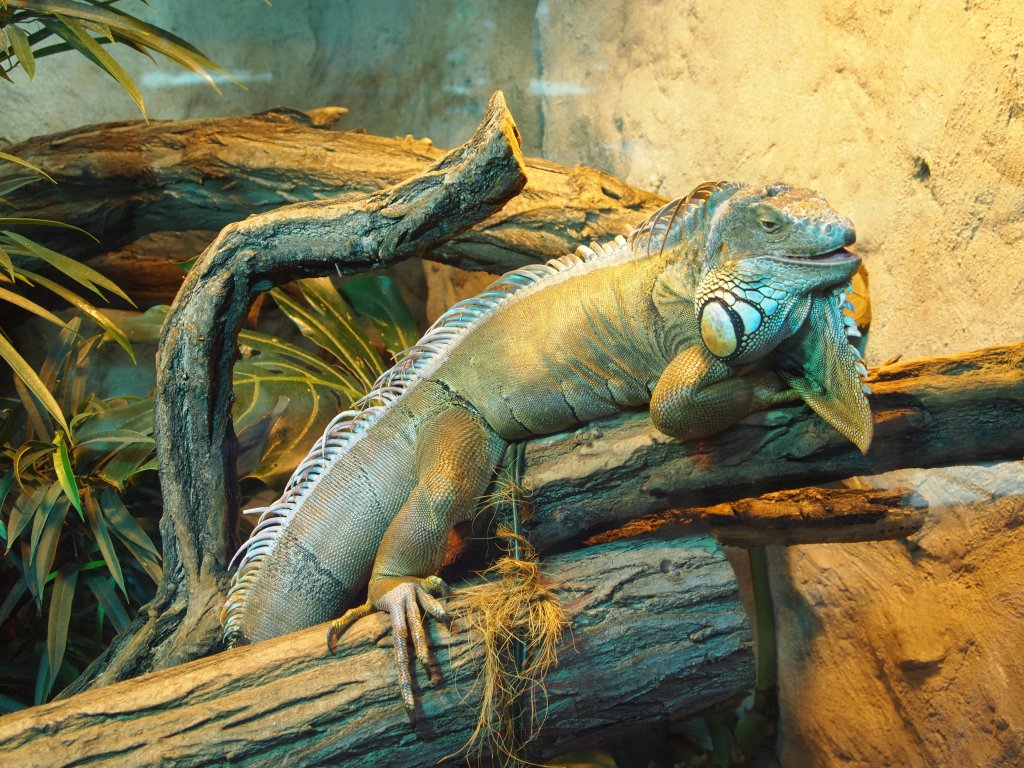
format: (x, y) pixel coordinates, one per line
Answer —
(835, 256)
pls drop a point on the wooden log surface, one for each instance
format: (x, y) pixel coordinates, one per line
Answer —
(796, 516)
(929, 412)
(125, 181)
(196, 445)
(657, 634)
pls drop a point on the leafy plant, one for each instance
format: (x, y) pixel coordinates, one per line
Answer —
(33, 29)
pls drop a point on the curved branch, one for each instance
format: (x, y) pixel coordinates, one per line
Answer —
(196, 444)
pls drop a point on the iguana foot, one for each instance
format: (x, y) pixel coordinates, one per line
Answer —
(347, 619)
(402, 599)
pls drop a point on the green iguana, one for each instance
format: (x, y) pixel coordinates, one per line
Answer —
(724, 302)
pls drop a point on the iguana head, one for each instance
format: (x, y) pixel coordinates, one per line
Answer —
(767, 250)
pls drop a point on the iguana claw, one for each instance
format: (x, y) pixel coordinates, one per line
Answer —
(403, 602)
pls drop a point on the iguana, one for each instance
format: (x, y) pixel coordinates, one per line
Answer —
(722, 303)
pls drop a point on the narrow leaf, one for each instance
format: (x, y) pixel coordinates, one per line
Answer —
(30, 306)
(26, 164)
(9, 603)
(42, 517)
(61, 598)
(102, 534)
(31, 380)
(80, 273)
(123, 524)
(13, 221)
(377, 297)
(99, 317)
(82, 40)
(66, 473)
(22, 513)
(48, 543)
(19, 43)
(112, 605)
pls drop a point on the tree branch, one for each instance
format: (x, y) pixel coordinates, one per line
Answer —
(196, 445)
(929, 412)
(658, 635)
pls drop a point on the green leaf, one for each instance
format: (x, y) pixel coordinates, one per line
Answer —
(19, 589)
(81, 40)
(112, 437)
(62, 597)
(5, 487)
(65, 472)
(19, 43)
(31, 380)
(46, 507)
(30, 306)
(13, 221)
(26, 164)
(22, 513)
(42, 679)
(123, 524)
(6, 263)
(377, 297)
(113, 607)
(80, 273)
(100, 318)
(102, 534)
(39, 424)
(48, 543)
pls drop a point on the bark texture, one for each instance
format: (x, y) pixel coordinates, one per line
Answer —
(928, 412)
(798, 516)
(131, 184)
(196, 445)
(658, 634)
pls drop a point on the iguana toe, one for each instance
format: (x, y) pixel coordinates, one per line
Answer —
(347, 619)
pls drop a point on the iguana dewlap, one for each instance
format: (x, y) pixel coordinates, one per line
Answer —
(724, 302)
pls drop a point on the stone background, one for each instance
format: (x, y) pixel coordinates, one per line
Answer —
(907, 115)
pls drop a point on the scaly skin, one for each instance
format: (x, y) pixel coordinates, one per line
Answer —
(723, 303)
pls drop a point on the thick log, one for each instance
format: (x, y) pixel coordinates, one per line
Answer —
(658, 634)
(123, 181)
(797, 516)
(196, 444)
(930, 412)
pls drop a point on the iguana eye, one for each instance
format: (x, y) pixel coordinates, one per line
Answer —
(769, 225)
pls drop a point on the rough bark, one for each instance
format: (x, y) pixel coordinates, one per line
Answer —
(928, 412)
(196, 445)
(797, 516)
(658, 634)
(126, 181)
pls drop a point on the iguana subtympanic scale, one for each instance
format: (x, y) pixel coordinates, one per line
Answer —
(724, 302)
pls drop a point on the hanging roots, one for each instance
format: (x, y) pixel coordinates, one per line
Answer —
(520, 621)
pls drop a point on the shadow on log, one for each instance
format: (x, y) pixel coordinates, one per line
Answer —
(658, 635)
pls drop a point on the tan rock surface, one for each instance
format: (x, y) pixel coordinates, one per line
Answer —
(896, 654)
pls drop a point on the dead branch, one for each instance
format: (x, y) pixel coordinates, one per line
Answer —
(658, 634)
(940, 410)
(196, 444)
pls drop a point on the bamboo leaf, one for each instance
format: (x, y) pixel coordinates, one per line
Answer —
(30, 306)
(22, 513)
(31, 380)
(61, 599)
(26, 164)
(6, 263)
(21, 48)
(112, 437)
(13, 221)
(112, 605)
(42, 679)
(102, 534)
(65, 472)
(39, 521)
(9, 603)
(79, 38)
(80, 273)
(99, 317)
(377, 297)
(124, 526)
(48, 543)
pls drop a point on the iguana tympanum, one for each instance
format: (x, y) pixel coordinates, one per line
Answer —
(724, 302)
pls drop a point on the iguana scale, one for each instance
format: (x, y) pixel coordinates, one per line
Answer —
(724, 302)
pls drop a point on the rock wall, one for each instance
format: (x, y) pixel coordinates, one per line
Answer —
(907, 115)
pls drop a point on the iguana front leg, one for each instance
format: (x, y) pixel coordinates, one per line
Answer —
(455, 460)
(698, 395)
